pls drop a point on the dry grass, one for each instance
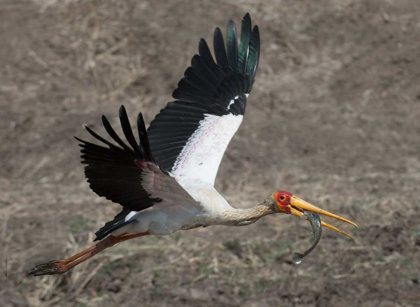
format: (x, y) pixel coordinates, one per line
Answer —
(333, 118)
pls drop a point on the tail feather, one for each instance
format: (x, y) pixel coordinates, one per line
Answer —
(118, 222)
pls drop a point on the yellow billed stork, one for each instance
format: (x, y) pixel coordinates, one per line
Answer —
(165, 181)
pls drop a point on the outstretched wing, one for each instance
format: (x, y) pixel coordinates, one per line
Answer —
(189, 137)
(127, 175)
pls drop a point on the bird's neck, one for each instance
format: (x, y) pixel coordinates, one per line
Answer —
(241, 217)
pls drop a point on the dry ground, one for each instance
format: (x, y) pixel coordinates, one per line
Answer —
(333, 118)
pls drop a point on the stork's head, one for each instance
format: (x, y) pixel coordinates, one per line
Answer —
(291, 204)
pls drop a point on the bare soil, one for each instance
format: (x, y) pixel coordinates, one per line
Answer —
(333, 117)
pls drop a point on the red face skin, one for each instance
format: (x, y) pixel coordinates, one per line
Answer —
(283, 200)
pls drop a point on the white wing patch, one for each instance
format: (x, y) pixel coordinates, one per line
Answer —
(130, 215)
(201, 156)
(232, 102)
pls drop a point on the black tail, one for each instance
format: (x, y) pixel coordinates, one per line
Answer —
(117, 222)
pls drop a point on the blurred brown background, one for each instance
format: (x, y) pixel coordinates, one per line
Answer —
(333, 118)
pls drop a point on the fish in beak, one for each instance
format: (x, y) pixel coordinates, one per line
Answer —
(291, 204)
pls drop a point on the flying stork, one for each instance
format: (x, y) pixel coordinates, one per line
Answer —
(165, 181)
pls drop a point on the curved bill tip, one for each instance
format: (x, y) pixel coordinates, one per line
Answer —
(336, 229)
(301, 204)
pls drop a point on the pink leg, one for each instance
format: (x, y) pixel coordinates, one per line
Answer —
(62, 266)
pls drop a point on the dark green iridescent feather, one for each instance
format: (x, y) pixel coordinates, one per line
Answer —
(232, 46)
(245, 38)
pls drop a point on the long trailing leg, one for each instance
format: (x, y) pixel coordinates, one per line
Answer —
(62, 266)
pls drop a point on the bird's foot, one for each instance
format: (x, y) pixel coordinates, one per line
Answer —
(49, 268)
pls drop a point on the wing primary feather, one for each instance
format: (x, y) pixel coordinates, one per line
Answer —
(210, 74)
(98, 137)
(204, 52)
(114, 135)
(244, 45)
(87, 145)
(199, 80)
(205, 55)
(254, 55)
(128, 132)
(232, 46)
(144, 140)
(219, 49)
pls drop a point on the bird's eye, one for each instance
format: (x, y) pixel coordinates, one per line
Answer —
(282, 198)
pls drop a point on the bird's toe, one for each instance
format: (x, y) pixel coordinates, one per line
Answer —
(49, 268)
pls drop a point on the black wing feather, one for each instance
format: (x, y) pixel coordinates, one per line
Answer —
(205, 55)
(219, 49)
(114, 135)
(254, 55)
(232, 46)
(128, 132)
(144, 140)
(116, 173)
(98, 137)
(244, 45)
